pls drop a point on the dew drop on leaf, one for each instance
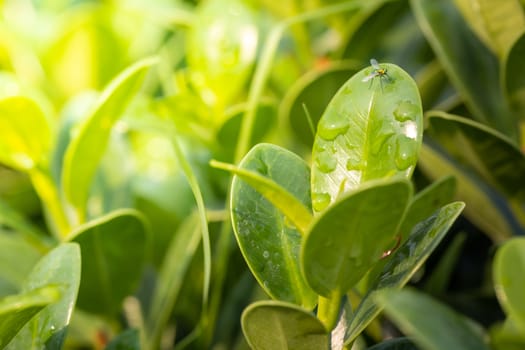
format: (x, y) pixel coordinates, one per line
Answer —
(330, 129)
(406, 110)
(320, 201)
(326, 162)
(405, 152)
(266, 254)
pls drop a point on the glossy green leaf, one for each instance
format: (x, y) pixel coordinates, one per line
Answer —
(514, 77)
(482, 150)
(174, 269)
(87, 148)
(446, 329)
(395, 344)
(370, 130)
(313, 91)
(268, 240)
(269, 325)
(470, 66)
(350, 236)
(26, 134)
(485, 207)
(508, 270)
(497, 23)
(404, 262)
(61, 268)
(114, 251)
(17, 310)
(222, 48)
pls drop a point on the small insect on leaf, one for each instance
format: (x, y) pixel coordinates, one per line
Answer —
(377, 72)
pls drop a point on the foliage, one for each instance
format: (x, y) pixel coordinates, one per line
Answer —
(139, 139)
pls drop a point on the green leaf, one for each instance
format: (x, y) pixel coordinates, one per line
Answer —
(61, 268)
(269, 325)
(114, 251)
(496, 23)
(486, 208)
(87, 148)
(370, 130)
(507, 336)
(26, 134)
(395, 344)
(482, 150)
(508, 270)
(514, 77)
(446, 329)
(404, 262)
(174, 269)
(17, 310)
(470, 66)
(313, 91)
(350, 236)
(222, 48)
(268, 240)
(127, 340)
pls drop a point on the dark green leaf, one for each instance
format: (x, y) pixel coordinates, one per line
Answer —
(350, 236)
(471, 67)
(114, 251)
(269, 325)
(127, 340)
(60, 267)
(17, 310)
(268, 240)
(404, 262)
(445, 329)
(370, 130)
(395, 344)
(514, 77)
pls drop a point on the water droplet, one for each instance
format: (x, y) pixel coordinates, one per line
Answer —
(406, 110)
(266, 254)
(326, 162)
(320, 201)
(410, 129)
(380, 135)
(406, 152)
(353, 162)
(330, 129)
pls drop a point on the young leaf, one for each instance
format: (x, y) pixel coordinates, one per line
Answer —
(370, 130)
(403, 263)
(269, 325)
(508, 270)
(114, 250)
(17, 310)
(349, 237)
(446, 329)
(60, 268)
(86, 149)
(26, 134)
(470, 66)
(268, 240)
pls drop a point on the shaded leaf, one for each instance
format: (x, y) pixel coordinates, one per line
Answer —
(87, 148)
(403, 263)
(269, 325)
(350, 236)
(470, 66)
(514, 77)
(395, 344)
(110, 272)
(127, 340)
(370, 130)
(268, 240)
(60, 267)
(446, 329)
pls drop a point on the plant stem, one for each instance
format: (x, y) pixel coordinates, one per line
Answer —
(328, 310)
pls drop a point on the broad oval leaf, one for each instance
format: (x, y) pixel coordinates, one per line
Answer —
(26, 134)
(87, 148)
(61, 268)
(269, 241)
(349, 237)
(514, 77)
(114, 251)
(17, 310)
(446, 329)
(222, 47)
(470, 66)
(370, 130)
(269, 325)
(508, 270)
(403, 263)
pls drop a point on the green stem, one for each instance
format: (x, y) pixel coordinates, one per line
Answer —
(48, 193)
(328, 310)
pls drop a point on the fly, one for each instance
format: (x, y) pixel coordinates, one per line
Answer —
(377, 72)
